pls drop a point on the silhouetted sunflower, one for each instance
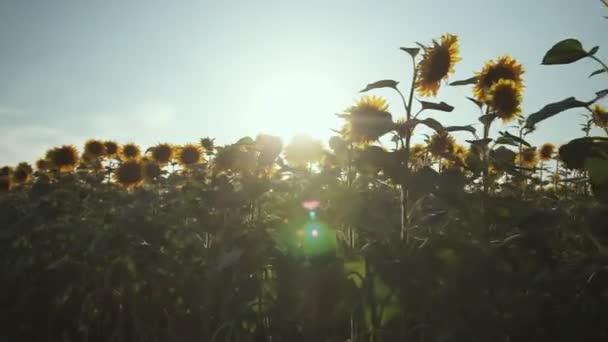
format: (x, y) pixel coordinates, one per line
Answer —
(94, 148)
(151, 170)
(546, 151)
(441, 144)
(23, 173)
(130, 151)
(437, 62)
(5, 183)
(189, 155)
(599, 116)
(129, 174)
(367, 120)
(528, 157)
(162, 153)
(208, 144)
(63, 158)
(43, 164)
(504, 68)
(112, 149)
(505, 98)
(6, 171)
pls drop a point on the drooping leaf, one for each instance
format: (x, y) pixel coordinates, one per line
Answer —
(433, 124)
(475, 101)
(597, 72)
(598, 95)
(468, 81)
(551, 110)
(514, 138)
(442, 106)
(412, 51)
(380, 84)
(565, 52)
(480, 142)
(467, 128)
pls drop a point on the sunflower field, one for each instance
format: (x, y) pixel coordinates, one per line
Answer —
(368, 238)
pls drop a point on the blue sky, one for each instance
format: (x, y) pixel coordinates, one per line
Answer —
(150, 71)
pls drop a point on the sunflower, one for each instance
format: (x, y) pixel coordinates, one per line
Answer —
(23, 173)
(438, 61)
(94, 148)
(546, 151)
(151, 170)
(504, 68)
(528, 157)
(208, 144)
(189, 155)
(6, 171)
(5, 183)
(367, 120)
(302, 150)
(112, 149)
(130, 151)
(599, 116)
(505, 98)
(129, 174)
(63, 158)
(162, 153)
(43, 164)
(441, 144)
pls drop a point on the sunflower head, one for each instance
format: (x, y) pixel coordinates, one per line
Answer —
(151, 170)
(546, 151)
(94, 148)
(43, 164)
(599, 116)
(437, 62)
(23, 173)
(162, 153)
(5, 183)
(112, 149)
(504, 68)
(130, 151)
(441, 144)
(367, 120)
(189, 155)
(6, 171)
(208, 144)
(505, 98)
(302, 150)
(64, 158)
(528, 157)
(129, 174)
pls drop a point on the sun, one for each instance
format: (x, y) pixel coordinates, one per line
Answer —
(289, 105)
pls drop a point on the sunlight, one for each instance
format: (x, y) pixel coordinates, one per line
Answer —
(299, 104)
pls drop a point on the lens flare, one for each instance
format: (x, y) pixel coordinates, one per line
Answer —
(312, 215)
(311, 204)
(314, 233)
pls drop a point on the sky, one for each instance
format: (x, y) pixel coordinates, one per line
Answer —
(151, 71)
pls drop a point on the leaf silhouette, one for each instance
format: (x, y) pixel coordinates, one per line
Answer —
(380, 84)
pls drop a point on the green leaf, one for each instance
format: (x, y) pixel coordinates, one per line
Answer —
(412, 51)
(480, 142)
(487, 119)
(468, 81)
(598, 170)
(551, 110)
(433, 124)
(515, 138)
(597, 72)
(506, 141)
(380, 84)
(565, 52)
(593, 50)
(467, 128)
(442, 106)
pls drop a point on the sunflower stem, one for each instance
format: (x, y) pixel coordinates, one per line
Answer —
(408, 136)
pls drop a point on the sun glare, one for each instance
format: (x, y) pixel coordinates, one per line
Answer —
(302, 104)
